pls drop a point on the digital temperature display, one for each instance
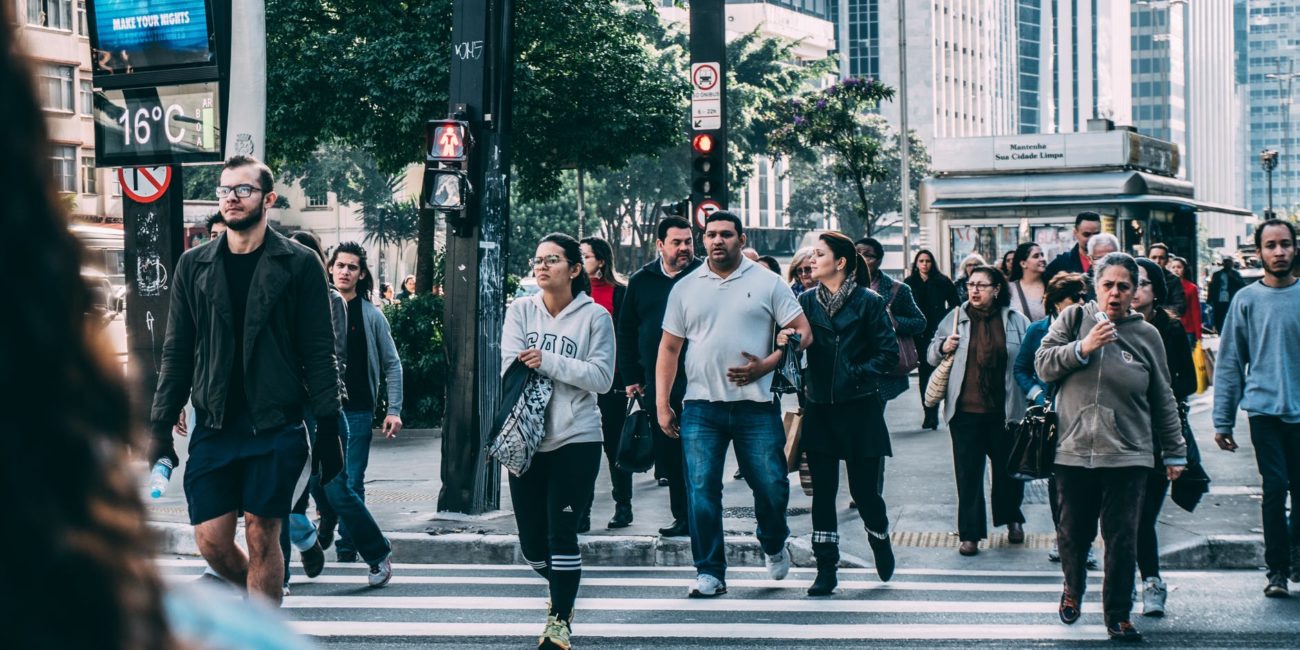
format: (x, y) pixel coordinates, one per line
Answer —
(157, 126)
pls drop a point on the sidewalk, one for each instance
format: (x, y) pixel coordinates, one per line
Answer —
(402, 487)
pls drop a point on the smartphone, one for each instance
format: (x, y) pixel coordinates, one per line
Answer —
(1101, 316)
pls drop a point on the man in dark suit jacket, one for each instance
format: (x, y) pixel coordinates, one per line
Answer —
(1076, 260)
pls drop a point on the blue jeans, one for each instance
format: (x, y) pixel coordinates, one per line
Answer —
(355, 425)
(756, 430)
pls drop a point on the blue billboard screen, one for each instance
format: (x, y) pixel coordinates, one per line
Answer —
(145, 35)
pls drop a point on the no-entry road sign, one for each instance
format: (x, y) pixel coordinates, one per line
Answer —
(145, 184)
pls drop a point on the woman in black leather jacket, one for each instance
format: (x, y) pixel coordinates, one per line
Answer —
(853, 346)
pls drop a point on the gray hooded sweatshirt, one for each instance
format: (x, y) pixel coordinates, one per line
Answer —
(1116, 405)
(577, 352)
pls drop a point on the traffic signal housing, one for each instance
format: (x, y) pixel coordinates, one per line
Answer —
(446, 186)
(708, 169)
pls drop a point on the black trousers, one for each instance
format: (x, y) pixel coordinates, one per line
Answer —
(862, 473)
(975, 438)
(1148, 546)
(613, 411)
(1113, 495)
(670, 462)
(547, 501)
(1277, 452)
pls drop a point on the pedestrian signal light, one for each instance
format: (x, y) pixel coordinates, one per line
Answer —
(447, 141)
(445, 190)
(702, 143)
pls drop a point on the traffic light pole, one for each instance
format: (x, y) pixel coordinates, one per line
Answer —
(708, 108)
(482, 59)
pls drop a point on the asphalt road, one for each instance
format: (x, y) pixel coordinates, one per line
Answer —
(928, 604)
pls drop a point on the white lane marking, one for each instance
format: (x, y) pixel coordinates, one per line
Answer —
(682, 605)
(889, 631)
(668, 582)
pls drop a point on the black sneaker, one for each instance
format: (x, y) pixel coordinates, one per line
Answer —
(347, 558)
(1123, 631)
(325, 532)
(1277, 585)
(313, 560)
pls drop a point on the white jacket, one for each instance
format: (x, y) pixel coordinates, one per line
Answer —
(577, 352)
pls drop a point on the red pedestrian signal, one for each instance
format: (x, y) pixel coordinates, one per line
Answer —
(446, 141)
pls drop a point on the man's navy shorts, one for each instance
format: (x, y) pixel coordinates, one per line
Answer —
(238, 469)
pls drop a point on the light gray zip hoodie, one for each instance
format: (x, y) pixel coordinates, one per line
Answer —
(1114, 406)
(577, 352)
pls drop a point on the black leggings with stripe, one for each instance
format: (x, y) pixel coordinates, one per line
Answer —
(547, 500)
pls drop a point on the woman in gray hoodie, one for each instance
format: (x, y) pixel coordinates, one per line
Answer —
(1114, 406)
(562, 334)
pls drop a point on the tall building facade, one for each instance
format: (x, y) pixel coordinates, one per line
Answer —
(55, 33)
(1160, 44)
(1270, 52)
(1074, 57)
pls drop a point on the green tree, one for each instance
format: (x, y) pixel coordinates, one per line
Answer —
(532, 220)
(834, 126)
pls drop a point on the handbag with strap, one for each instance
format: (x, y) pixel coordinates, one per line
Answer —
(937, 389)
(636, 450)
(908, 360)
(520, 424)
(1033, 439)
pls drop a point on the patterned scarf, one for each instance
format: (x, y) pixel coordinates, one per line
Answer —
(832, 302)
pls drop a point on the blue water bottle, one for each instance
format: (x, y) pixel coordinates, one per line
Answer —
(162, 472)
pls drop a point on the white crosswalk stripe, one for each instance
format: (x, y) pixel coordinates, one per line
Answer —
(427, 601)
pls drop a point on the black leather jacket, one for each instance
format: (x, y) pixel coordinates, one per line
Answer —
(849, 352)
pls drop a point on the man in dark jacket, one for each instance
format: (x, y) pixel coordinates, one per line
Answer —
(1076, 260)
(1175, 301)
(907, 317)
(250, 344)
(1224, 285)
(640, 327)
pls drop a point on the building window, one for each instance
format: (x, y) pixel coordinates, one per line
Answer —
(89, 182)
(65, 167)
(54, 14)
(321, 200)
(56, 87)
(87, 98)
(83, 27)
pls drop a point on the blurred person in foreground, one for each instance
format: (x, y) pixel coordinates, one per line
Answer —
(1115, 408)
(83, 575)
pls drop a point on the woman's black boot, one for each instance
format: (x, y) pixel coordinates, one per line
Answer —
(828, 559)
(884, 554)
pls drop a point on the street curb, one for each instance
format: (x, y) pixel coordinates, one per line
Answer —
(474, 548)
(1215, 552)
(1203, 553)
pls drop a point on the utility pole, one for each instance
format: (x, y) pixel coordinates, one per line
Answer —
(708, 108)
(482, 61)
(904, 145)
(1287, 153)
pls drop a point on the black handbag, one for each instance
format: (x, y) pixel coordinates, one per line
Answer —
(636, 451)
(1033, 447)
(789, 374)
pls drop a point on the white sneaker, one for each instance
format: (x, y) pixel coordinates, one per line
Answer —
(706, 586)
(778, 566)
(1054, 555)
(381, 573)
(1153, 597)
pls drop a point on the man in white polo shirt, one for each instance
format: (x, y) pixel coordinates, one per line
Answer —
(727, 309)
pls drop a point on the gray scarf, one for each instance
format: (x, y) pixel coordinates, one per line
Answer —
(833, 302)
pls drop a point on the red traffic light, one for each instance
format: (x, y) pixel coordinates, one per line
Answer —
(446, 141)
(702, 143)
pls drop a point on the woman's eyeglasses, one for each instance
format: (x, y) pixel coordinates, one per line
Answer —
(548, 260)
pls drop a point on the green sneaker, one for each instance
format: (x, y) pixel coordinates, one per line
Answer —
(556, 634)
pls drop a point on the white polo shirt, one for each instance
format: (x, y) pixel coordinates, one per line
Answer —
(721, 318)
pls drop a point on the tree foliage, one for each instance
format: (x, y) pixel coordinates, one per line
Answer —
(818, 193)
(833, 126)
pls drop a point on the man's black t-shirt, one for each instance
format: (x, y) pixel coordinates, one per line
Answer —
(239, 279)
(357, 377)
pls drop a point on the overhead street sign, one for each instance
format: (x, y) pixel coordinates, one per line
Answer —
(145, 184)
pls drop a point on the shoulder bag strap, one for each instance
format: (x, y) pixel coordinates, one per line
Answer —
(1024, 304)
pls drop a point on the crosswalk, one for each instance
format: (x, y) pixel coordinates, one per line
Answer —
(429, 602)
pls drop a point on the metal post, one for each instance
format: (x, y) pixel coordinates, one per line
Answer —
(481, 69)
(904, 145)
(582, 208)
(246, 122)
